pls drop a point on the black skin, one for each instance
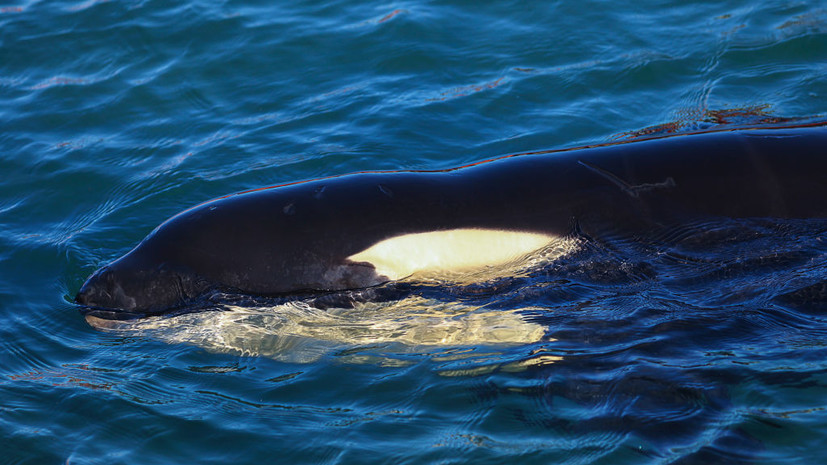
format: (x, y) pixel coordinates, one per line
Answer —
(296, 238)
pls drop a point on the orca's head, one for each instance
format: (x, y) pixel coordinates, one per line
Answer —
(127, 289)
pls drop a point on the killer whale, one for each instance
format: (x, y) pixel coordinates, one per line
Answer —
(361, 230)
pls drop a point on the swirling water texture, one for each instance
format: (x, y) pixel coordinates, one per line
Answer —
(117, 114)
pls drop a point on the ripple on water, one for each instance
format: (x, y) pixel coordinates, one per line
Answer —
(698, 344)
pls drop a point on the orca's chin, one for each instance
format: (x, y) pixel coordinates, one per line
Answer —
(104, 314)
(114, 312)
(124, 292)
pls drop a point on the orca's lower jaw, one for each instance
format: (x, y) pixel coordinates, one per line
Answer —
(127, 315)
(91, 309)
(182, 306)
(119, 293)
(115, 315)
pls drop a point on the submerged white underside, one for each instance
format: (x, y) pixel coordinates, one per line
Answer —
(299, 333)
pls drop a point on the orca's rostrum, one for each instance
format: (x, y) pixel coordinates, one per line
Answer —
(361, 230)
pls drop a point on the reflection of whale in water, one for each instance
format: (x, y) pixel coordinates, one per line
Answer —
(373, 331)
(361, 230)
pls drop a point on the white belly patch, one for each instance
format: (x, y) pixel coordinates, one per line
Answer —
(454, 250)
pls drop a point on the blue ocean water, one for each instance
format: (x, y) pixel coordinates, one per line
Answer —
(115, 115)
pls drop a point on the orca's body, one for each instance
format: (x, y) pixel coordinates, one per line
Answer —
(361, 230)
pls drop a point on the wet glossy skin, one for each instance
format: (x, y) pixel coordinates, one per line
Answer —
(299, 237)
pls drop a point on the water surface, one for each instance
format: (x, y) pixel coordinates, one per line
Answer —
(703, 345)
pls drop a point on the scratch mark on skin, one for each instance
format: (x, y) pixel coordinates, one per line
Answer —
(632, 190)
(385, 190)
